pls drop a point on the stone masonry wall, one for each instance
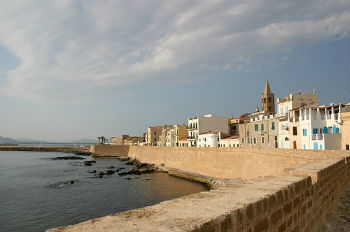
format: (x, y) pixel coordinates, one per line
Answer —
(245, 163)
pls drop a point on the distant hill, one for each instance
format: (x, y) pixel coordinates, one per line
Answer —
(5, 140)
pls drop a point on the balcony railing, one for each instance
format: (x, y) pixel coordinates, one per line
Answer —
(317, 137)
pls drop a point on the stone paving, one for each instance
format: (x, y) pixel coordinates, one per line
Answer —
(339, 221)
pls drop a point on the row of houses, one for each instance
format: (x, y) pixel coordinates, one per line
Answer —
(298, 123)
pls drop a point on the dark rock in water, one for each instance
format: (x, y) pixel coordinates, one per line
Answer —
(69, 158)
(93, 171)
(110, 167)
(127, 178)
(134, 171)
(71, 182)
(89, 162)
(101, 173)
(86, 153)
(145, 170)
(130, 162)
(141, 165)
(110, 172)
(123, 158)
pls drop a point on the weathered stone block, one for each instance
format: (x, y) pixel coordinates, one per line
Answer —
(262, 225)
(276, 216)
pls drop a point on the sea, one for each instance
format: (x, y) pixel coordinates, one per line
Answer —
(38, 192)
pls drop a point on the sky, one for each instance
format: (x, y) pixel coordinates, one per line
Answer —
(73, 69)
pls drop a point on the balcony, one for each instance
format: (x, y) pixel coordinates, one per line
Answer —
(317, 137)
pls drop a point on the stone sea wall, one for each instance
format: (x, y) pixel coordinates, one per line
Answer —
(299, 199)
(244, 163)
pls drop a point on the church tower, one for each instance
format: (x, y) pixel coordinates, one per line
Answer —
(268, 100)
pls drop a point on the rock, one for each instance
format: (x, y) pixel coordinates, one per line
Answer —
(134, 171)
(71, 182)
(141, 165)
(86, 153)
(89, 162)
(93, 171)
(123, 158)
(110, 167)
(130, 162)
(110, 172)
(69, 158)
(101, 173)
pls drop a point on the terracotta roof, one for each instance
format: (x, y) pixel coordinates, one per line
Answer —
(211, 132)
(231, 137)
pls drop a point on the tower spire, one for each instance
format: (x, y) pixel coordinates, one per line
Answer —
(267, 87)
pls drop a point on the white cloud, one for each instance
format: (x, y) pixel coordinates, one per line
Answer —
(78, 49)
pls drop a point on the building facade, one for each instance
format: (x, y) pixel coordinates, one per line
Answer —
(152, 136)
(232, 141)
(209, 139)
(207, 123)
(294, 101)
(260, 131)
(319, 127)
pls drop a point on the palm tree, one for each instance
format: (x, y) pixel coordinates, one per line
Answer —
(99, 139)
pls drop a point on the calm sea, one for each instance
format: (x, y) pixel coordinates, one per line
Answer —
(35, 194)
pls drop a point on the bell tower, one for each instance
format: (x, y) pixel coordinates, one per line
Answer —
(268, 100)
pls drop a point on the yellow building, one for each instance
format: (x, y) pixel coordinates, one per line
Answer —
(180, 132)
(183, 142)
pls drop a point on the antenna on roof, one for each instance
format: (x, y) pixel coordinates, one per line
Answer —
(314, 91)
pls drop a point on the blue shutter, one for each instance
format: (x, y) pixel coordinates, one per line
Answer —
(325, 130)
(314, 131)
(334, 129)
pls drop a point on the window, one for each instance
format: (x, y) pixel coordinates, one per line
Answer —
(281, 110)
(256, 127)
(304, 132)
(269, 108)
(269, 99)
(314, 131)
(286, 110)
(304, 146)
(321, 130)
(273, 126)
(205, 139)
(248, 141)
(155, 133)
(262, 139)
(242, 140)
(218, 139)
(295, 130)
(254, 140)
(262, 126)
(325, 130)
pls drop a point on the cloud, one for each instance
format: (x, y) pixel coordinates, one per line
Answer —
(80, 49)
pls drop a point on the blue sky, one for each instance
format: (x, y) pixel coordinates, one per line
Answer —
(82, 69)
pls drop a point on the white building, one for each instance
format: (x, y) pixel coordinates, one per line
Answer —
(232, 141)
(320, 127)
(199, 125)
(209, 139)
(284, 105)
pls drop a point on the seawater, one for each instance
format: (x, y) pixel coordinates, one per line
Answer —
(35, 193)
